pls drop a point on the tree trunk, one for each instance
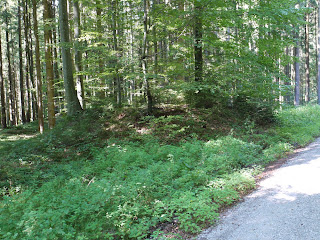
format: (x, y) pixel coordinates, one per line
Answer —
(287, 81)
(26, 39)
(2, 93)
(47, 17)
(12, 108)
(56, 56)
(78, 53)
(73, 104)
(117, 78)
(297, 72)
(198, 31)
(23, 114)
(144, 58)
(307, 95)
(101, 92)
(38, 67)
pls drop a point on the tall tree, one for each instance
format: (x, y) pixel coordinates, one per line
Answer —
(2, 93)
(29, 49)
(78, 53)
(198, 34)
(22, 97)
(144, 57)
(297, 69)
(73, 104)
(28, 69)
(12, 106)
(38, 67)
(287, 81)
(115, 30)
(101, 92)
(47, 17)
(307, 52)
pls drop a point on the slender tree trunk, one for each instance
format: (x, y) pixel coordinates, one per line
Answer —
(2, 92)
(101, 92)
(55, 51)
(26, 39)
(56, 58)
(307, 95)
(73, 104)
(32, 80)
(198, 31)
(297, 73)
(144, 58)
(47, 17)
(117, 78)
(14, 82)
(11, 79)
(22, 97)
(38, 67)
(33, 89)
(287, 81)
(78, 53)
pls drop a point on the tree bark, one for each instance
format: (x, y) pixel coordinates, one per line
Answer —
(47, 17)
(12, 109)
(2, 92)
(117, 78)
(144, 58)
(78, 53)
(32, 81)
(26, 39)
(22, 97)
(307, 43)
(101, 92)
(73, 104)
(297, 73)
(198, 32)
(287, 81)
(38, 67)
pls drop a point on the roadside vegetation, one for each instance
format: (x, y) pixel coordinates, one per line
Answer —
(124, 175)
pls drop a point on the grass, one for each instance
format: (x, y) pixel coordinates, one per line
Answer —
(122, 175)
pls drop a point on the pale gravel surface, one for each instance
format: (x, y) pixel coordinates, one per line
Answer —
(286, 206)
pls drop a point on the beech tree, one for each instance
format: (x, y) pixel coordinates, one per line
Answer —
(73, 104)
(38, 67)
(47, 17)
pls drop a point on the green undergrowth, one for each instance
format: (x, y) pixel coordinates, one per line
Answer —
(81, 181)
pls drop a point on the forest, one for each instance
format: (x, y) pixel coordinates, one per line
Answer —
(143, 119)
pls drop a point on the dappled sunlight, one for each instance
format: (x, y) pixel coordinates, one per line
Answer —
(15, 137)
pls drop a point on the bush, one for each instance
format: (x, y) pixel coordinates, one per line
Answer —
(228, 154)
(117, 189)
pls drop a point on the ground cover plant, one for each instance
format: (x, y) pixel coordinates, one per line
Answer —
(128, 176)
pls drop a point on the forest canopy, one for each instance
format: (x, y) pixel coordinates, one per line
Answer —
(65, 56)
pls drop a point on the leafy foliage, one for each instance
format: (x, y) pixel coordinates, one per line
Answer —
(113, 189)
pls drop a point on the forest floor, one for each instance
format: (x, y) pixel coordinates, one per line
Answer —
(285, 205)
(126, 175)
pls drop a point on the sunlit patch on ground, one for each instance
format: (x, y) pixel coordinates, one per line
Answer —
(5, 138)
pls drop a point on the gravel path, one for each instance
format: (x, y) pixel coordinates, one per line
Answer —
(286, 206)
